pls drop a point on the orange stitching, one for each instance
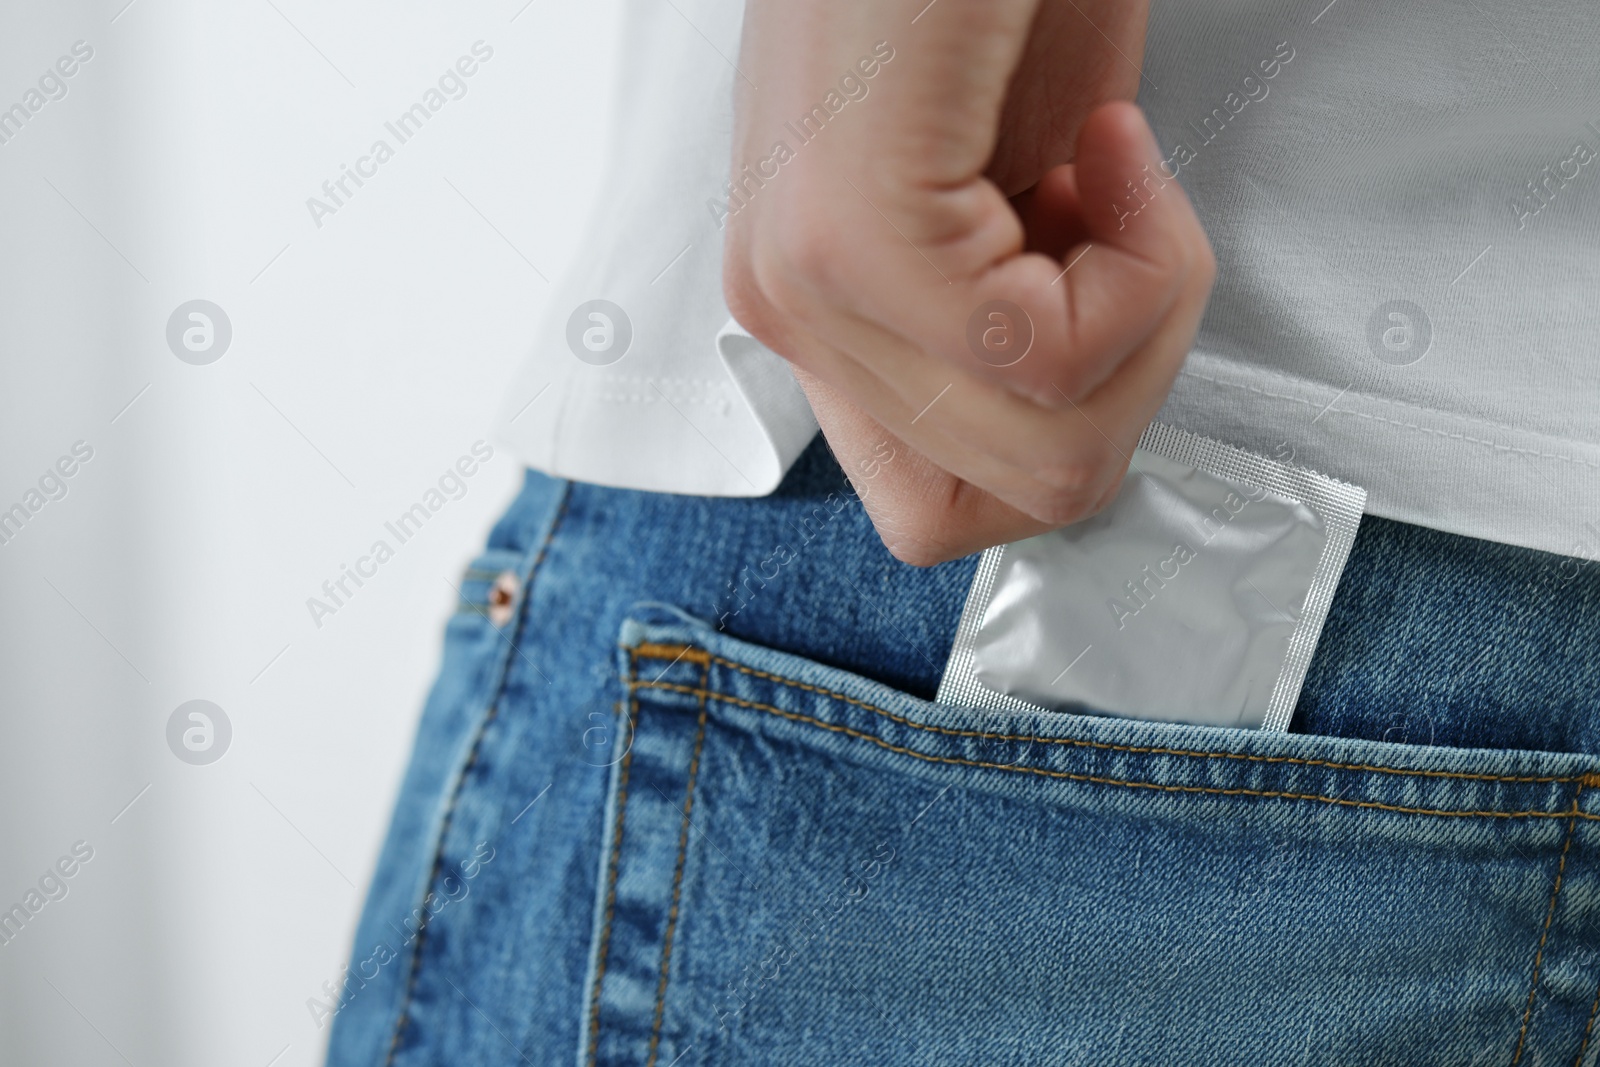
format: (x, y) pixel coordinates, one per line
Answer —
(1549, 915)
(677, 876)
(651, 650)
(455, 795)
(662, 652)
(1101, 780)
(611, 873)
(1588, 1030)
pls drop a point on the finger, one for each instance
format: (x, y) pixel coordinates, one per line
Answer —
(1052, 220)
(1076, 321)
(1019, 450)
(1054, 476)
(1164, 225)
(923, 514)
(1118, 282)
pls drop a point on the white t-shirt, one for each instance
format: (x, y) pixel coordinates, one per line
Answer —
(1405, 205)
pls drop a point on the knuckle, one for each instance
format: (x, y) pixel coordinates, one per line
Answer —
(769, 286)
(741, 289)
(1067, 383)
(912, 537)
(786, 272)
(1061, 506)
(804, 255)
(1111, 493)
(1055, 510)
(1077, 476)
(914, 555)
(912, 551)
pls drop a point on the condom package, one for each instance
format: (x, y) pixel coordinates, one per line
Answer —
(1197, 596)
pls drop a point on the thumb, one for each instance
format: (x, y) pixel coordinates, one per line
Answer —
(1130, 200)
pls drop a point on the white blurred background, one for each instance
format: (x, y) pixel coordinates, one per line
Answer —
(367, 354)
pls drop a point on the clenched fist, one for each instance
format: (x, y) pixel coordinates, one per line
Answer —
(952, 222)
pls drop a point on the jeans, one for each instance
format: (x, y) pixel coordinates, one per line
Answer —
(680, 796)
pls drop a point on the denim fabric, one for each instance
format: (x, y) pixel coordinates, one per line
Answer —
(690, 804)
(1445, 640)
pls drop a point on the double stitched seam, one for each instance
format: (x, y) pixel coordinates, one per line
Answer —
(1099, 779)
(616, 857)
(659, 651)
(677, 875)
(1549, 917)
(460, 782)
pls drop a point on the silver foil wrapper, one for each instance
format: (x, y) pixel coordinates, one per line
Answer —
(1197, 596)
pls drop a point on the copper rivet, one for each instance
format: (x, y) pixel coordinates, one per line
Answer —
(503, 597)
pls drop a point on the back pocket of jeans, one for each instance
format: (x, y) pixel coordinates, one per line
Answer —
(805, 866)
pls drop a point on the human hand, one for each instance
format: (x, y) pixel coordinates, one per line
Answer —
(864, 252)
